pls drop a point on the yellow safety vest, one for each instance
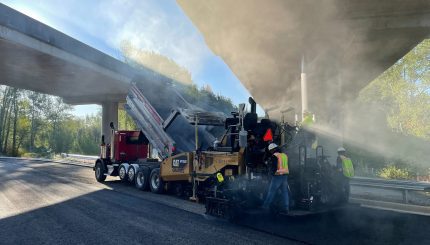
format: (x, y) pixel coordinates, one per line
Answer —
(308, 121)
(282, 163)
(347, 167)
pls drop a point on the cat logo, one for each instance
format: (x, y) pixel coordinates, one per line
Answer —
(179, 163)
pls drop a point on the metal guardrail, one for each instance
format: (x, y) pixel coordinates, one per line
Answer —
(77, 156)
(80, 158)
(401, 185)
(85, 161)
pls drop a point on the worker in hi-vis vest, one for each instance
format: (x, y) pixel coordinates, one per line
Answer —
(345, 167)
(308, 119)
(278, 167)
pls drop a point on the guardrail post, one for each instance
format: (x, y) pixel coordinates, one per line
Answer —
(406, 196)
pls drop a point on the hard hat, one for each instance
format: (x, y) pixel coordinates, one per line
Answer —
(272, 146)
(340, 149)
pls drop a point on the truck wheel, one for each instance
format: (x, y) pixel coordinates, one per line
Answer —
(155, 181)
(131, 174)
(100, 172)
(142, 179)
(122, 173)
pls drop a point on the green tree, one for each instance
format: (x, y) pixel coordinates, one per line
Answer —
(56, 114)
(156, 62)
(125, 122)
(403, 91)
(397, 106)
(393, 172)
(42, 124)
(177, 75)
(38, 103)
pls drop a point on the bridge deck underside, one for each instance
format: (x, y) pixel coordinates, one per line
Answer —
(28, 68)
(346, 44)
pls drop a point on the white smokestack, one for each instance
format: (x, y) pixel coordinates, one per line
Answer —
(304, 89)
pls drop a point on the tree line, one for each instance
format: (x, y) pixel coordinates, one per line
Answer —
(35, 124)
(396, 105)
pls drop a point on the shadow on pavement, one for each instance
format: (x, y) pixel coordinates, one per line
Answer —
(354, 225)
(350, 225)
(108, 217)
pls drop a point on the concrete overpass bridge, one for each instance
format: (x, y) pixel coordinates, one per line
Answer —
(39, 58)
(346, 44)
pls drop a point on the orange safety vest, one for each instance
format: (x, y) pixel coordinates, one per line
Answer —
(282, 163)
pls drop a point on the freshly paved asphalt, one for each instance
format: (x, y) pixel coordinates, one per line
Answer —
(354, 225)
(53, 203)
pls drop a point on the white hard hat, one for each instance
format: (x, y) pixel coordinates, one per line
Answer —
(340, 149)
(272, 146)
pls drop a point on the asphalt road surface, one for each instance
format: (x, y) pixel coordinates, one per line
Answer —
(52, 203)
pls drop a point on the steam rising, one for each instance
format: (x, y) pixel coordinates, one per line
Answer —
(346, 44)
(156, 62)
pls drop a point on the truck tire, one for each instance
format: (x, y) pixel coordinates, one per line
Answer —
(155, 182)
(99, 171)
(142, 179)
(131, 174)
(122, 173)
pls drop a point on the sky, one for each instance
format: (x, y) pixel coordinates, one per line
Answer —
(156, 25)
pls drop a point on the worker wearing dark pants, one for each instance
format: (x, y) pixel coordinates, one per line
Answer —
(279, 171)
(346, 171)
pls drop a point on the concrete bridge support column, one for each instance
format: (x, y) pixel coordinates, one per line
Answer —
(109, 114)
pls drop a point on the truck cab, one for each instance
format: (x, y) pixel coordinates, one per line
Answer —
(129, 146)
(126, 147)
